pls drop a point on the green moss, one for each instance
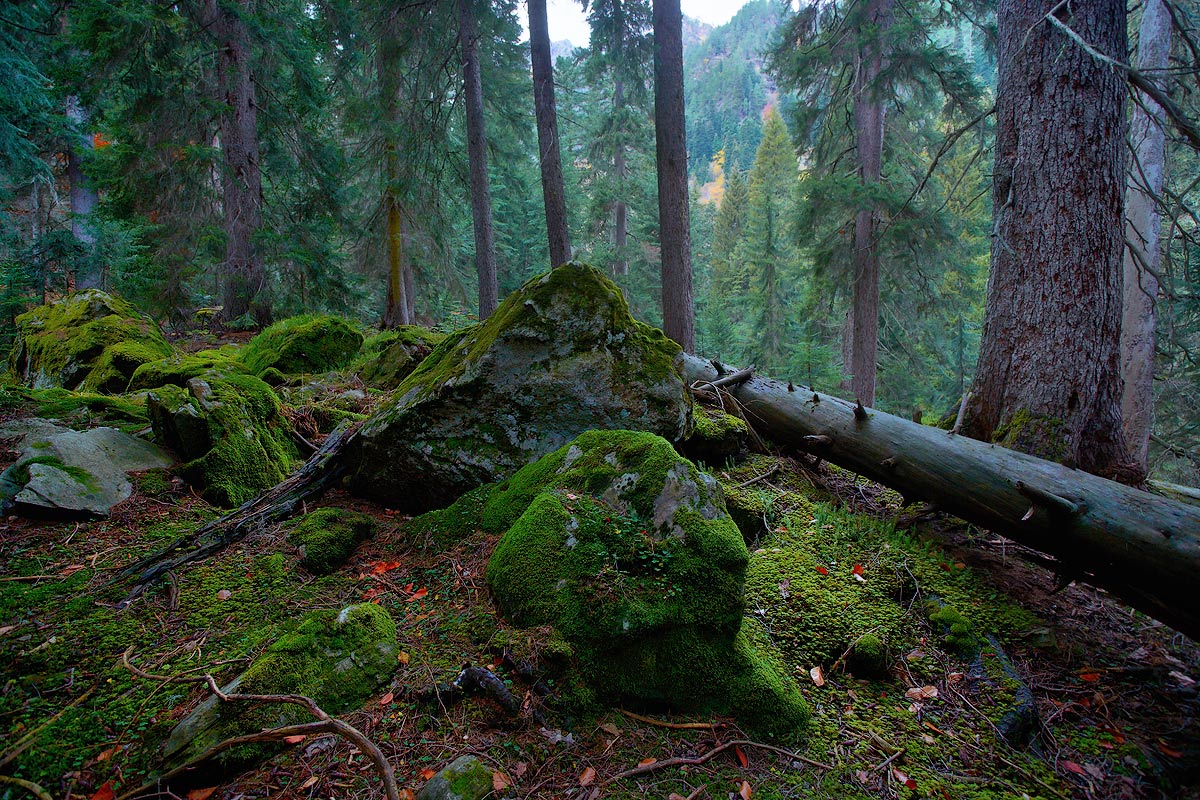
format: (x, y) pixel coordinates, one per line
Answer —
(957, 632)
(716, 438)
(328, 536)
(388, 358)
(20, 473)
(88, 340)
(1033, 433)
(179, 369)
(87, 410)
(309, 343)
(230, 432)
(445, 527)
(869, 657)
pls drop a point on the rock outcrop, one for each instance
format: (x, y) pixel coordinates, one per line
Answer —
(559, 357)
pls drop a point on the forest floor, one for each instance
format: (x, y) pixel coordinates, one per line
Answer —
(1115, 692)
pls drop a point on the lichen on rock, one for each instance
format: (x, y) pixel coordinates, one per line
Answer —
(559, 357)
(304, 344)
(624, 547)
(88, 340)
(229, 431)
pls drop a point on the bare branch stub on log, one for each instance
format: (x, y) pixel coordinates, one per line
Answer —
(1142, 547)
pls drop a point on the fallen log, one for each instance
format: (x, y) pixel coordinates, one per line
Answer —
(1143, 548)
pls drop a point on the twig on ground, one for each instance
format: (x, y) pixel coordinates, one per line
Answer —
(28, 786)
(678, 726)
(695, 761)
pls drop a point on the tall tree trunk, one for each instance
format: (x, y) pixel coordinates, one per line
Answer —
(547, 127)
(1048, 381)
(868, 127)
(671, 152)
(1142, 228)
(395, 311)
(481, 192)
(84, 197)
(620, 208)
(241, 181)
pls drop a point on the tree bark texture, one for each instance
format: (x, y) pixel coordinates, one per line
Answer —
(671, 151)
(1048, 380)
(241, 180)
(1142, 547)
(481, 192)
(1143, 226)
(84, 197)
(547, 127)
(395, 312)
(868, 110)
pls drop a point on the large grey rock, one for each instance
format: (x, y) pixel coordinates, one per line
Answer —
(559, 357)
(465, 778)
(63, 472)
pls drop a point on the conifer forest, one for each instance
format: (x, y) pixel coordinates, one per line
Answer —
(401, 400)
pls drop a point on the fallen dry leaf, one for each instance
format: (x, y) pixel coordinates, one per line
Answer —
(904, 779)
(818, 675)
(418, 594)
(310, 782)
(741, 756)
(857, 569)
(921, 692)
(610, 729)
(1089, 675)
(676, 796)
(6, 628)
(427, 773)
(1166, 749)
(822, 571)
(203, 794)
(744, 791)
(403, 657)
(500, 781)
(407, 794)
(105, 792)
(297, 739)
(647, 761)
(587, 777)
(1071, 766)
(387, 698)
(224, 594)
(105, 755)
(519, 769)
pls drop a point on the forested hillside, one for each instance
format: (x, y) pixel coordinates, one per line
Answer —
(398, 402)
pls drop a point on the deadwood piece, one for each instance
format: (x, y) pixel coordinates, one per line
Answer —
(695, 761)
(1142, 547)
(319, 473)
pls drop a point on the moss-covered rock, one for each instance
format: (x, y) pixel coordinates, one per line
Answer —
(717, 437)
(560, 356)
(178, 369)
(88, 340)
(338, 658)
(309, 343)
(390, 357)
(465, 778)
(624, 547)
(228, 430)
(328, 536)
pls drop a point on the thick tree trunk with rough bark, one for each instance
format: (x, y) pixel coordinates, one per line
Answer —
(1048, 380)
(547, 127)
(1142, 547)
(868, 112)
(388, 66)
(1143, 224)
(481, 191)
(671, 150)
(241, 180)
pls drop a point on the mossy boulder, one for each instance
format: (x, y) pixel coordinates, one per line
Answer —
(229, 431)
(387, 359)
(308, 343)
(717, 437)
(338, 658)
(89, 340)
(559, 357)
(327, 538)
(178, 369)
(624, 547)
(465, 778)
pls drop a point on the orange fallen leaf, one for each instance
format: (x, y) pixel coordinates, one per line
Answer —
(418, 594)
(407, 794)
(203, 794)
(1071, 766)
(822, 570)
(921, 693)
(818, 675)
(741, 756)
(105, 792)
(310, 782)
(387, 698)
(857, 569)
(403, 657)
(587, 777)
(297, 739)
(647, 761)
(427, 773)
(744, 791)
(1090, 675)
(1168, 750)
(519, 769)
(500, 781)
(109, 753)
(380, 567)
(904, 779)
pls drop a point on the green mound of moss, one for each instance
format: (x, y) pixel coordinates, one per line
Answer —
(308, 343)
(229, 431)
(390, 357)
(89, 340)
(178, 369)
(717, 437)
(624, 547)
(327, 538)
(338, 658)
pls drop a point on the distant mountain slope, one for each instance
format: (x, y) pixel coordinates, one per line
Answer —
(726, 89)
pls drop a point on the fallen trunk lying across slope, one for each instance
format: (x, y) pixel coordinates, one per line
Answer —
(1142, 547)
